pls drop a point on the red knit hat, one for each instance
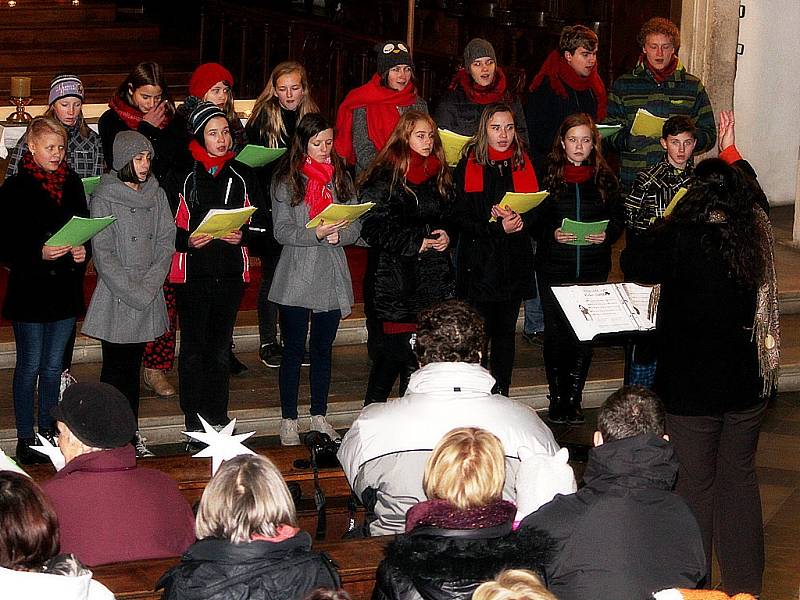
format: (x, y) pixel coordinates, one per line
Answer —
(205, 76)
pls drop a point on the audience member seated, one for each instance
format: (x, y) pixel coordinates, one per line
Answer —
(625, 534)
(514, 584)
(249, 544)
(462, 535)
(385, 452)
(109, 509)
(30, 566)
(675, 594)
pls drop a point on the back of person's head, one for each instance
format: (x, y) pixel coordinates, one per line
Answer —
(246, 497)
(577, 36)
(97, 416)
(327, 594)
(630, 411)
(677, 125)
(28, 525)
(467, 468)
(451, 331)
(513, 584)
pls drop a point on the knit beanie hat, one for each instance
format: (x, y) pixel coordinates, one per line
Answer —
(97, 414)
(65, 85)
(201, 114)
(393, 53)
(478, 48)
(205, 76)
(128, 144)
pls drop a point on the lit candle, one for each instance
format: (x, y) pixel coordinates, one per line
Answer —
(20, 87)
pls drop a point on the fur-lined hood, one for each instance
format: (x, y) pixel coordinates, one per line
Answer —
(439, 557)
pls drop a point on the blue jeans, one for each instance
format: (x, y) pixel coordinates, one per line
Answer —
(294, 327)
(534, 317)
(40, 354)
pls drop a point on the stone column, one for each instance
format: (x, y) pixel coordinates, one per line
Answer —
(709, 34)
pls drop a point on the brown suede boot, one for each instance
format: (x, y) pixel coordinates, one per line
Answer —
(156, 380)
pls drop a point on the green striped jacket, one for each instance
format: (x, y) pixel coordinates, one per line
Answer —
(681, 94)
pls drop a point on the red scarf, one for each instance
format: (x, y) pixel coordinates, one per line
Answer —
(52, 181)
(478, 94)
(421, 168)
(559, 74)
(318, 196)
(662, 75)
(524, 179)
(130, 115)
(581, 174)
(212, 164)
(382, 114)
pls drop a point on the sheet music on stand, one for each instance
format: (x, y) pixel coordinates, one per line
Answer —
(608, 307)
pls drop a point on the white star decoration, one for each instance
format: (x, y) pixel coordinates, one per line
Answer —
(50, 451)
(222, 445)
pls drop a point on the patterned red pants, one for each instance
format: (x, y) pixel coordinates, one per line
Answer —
(160, 353)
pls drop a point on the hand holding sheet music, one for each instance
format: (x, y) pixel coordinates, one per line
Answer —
(607, 308)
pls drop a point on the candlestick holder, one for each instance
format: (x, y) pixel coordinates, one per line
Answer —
(20, 115)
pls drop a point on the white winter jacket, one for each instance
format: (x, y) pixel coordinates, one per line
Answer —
(389, 443)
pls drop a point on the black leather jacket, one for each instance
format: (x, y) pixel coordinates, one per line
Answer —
(213, 569)
(448, 564)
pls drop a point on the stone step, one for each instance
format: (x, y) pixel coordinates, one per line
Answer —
(87, 33)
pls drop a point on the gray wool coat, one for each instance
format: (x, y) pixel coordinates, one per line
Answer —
(311, 274)
(131, 257)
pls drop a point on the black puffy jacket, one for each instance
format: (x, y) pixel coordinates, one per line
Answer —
(448, 564)
(492, 265)
(213, 569)
(400, 280)
(579, 202)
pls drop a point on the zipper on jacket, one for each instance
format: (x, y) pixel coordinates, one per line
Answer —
(228, 190)
(577, 218)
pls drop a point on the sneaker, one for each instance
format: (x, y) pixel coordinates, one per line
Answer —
(156, 380)
(306, 361)
(50, 435)
(270, 355)
(236, 366)
(289, 434)
(142, 451)
(320, 423)
(534, 338)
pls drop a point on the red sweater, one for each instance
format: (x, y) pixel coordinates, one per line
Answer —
(109, 510)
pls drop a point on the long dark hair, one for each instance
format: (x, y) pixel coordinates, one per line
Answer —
(396, 153)
(720, 194)
(146, 73)
(290, 168)
(604, 177)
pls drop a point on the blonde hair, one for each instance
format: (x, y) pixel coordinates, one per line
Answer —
(247, 496)
(467, 468)
(514, 584)
(43, 124)
(267, 109)
(396, 153)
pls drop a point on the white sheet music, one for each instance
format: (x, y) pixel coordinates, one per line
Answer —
(605, 308)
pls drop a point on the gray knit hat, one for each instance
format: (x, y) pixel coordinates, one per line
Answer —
(201, 114)
(128, 144)
(392, 53)
(65, 85)
(478, 48)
